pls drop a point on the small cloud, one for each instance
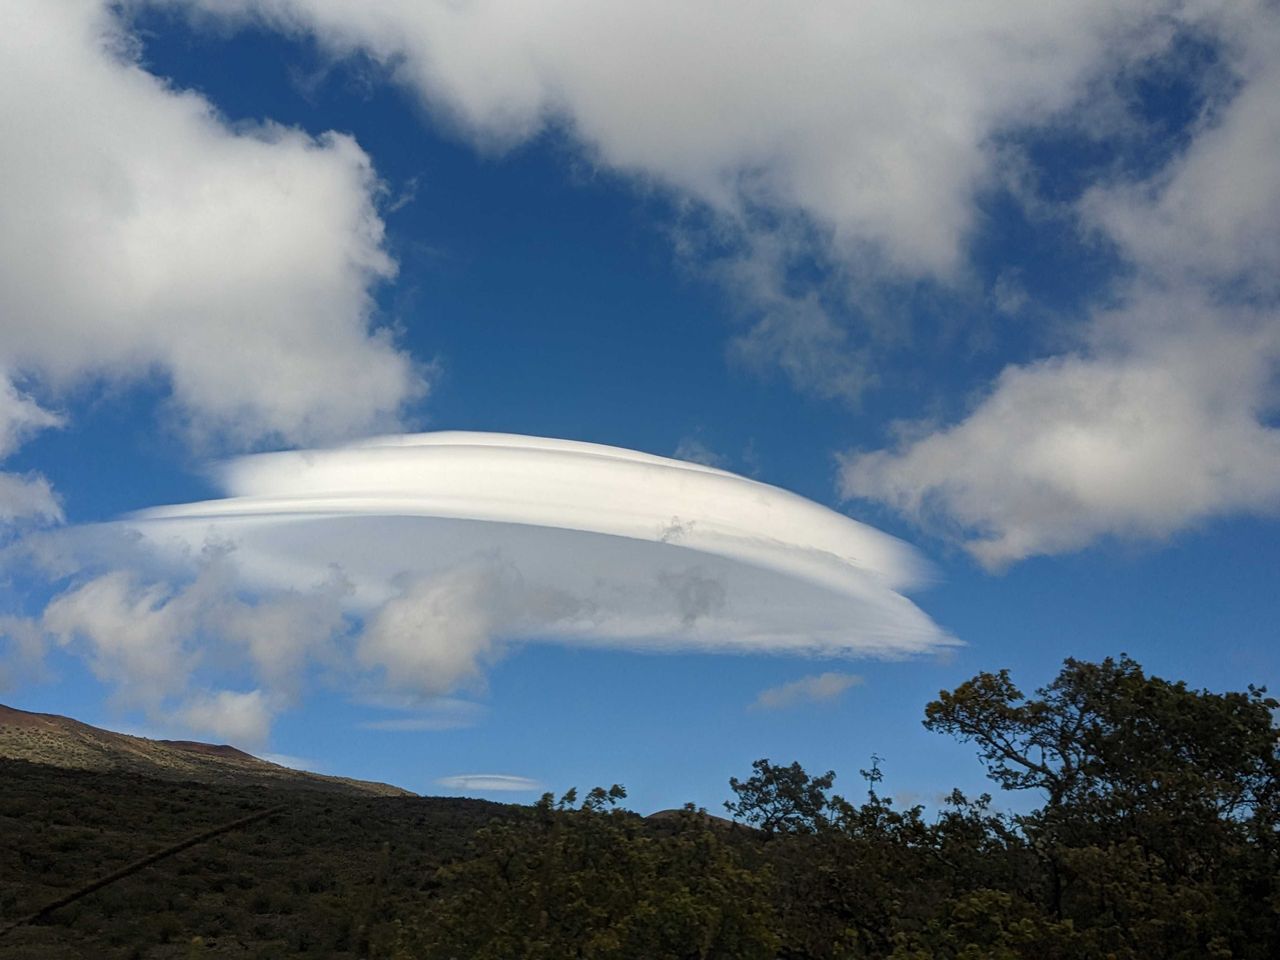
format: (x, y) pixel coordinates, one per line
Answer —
(693, 450)
(1009, 294)
(488, 783)
(812, 689)
(425, 713)
(28, 497)
(408, 193)
(237, 717)
(409, 724)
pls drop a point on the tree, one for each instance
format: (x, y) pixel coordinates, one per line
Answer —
(1106, 733)
(781, 799)
(1159, 830)
(595, 882)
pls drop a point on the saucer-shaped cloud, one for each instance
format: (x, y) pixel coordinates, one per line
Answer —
(488, 782)
(447, 544)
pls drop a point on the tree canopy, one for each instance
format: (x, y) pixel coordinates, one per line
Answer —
(1156, 837)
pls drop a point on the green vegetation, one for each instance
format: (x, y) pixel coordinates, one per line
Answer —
(1158, 835)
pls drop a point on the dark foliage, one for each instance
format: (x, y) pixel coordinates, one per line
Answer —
(327, 878)
(1158, 836)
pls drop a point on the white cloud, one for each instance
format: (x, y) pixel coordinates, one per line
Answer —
(138, 635)
(695, 451)
(1131, 440)
(239, 718)
(280, 633)
(424, 712)
(437, 634)
(452, 543)
(407, 565)
(488, 783)
(144, 236)
(855, 136)
(152, 639)
(1163, 417)
(875, 120)
(28, 497)
(20, 416)
(796, 335)
(817, 688)
(1212, 214)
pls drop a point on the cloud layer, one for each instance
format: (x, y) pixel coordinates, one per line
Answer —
(410, 564)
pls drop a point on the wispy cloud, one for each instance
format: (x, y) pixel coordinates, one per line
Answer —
(489, 783)
(413, 724)
(694, 450)
(817, 688)
(416, 724)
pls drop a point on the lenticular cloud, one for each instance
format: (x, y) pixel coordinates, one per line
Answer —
(447, 544)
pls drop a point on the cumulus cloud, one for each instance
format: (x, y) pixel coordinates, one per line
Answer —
(137, 635)
(797, 335)
(1153, 430)
(1163, 416)
(1211, 214)
(20, 416)
(874, 120)
(817, 688)
(855, 136)
(489, 783)
(437, 634)
(243, 718)
(143, 236)
(155, 640)
(28, 497)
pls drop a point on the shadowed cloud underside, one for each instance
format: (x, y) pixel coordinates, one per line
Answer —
(533, 538)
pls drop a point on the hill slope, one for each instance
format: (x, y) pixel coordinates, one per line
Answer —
(58, 741)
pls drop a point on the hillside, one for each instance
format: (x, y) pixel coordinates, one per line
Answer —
(53, 740)
(325, 877)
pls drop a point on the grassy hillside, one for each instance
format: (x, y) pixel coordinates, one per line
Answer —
(62, 742)
(324, 878)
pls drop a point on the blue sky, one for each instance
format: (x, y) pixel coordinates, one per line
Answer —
(1000, 283)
